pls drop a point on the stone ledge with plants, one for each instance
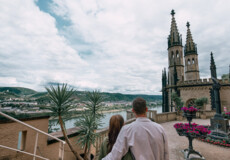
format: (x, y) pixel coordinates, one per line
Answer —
(222, 143)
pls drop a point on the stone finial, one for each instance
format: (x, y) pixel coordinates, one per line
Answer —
(173, 12)
(188, 24)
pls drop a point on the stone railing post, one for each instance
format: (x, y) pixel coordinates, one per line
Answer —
(152, 114)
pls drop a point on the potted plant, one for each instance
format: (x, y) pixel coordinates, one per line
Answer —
(189, 112)
(87, 135)
(201, 103)
(89, 122)
(178, 105)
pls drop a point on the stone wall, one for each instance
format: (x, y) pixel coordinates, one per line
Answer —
(225, 97)
(53, 146)
(188, 93)
(200, 88)
(9, 137)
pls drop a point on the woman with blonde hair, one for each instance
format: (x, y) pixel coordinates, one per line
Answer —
(115, 124)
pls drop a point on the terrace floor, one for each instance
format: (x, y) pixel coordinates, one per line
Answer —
(178, 143)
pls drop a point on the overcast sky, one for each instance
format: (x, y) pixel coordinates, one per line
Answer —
(111, 45)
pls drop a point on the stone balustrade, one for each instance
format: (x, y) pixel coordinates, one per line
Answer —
(209, 114)
(165, 117)
(101, 136)
(159, 118)
(205, 114)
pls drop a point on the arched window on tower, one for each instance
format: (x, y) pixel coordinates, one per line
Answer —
(172, 58)
(189, 62)
(193, 61)
(177, 54)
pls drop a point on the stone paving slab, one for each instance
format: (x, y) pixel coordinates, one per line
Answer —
(178, 143)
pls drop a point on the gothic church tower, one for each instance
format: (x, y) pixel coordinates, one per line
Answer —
(191, 58)
(175, 54)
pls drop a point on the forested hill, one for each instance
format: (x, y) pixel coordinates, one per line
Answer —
(130, 97)
(17, 90)
(80, 95)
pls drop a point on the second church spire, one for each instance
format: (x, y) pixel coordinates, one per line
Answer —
(190, 46)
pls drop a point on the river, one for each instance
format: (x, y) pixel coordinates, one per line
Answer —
(104, 121)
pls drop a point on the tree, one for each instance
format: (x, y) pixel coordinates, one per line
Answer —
(178, 102)
(60, 97)
(90, 121)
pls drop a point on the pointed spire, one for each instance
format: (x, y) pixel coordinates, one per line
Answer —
(213, 67)
(190, 46)
(174, 39)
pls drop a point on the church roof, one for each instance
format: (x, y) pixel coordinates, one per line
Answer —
(190, 46)
(174, 39)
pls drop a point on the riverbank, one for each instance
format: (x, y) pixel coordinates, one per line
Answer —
(104, 121)
(79, 114)
(114, 110)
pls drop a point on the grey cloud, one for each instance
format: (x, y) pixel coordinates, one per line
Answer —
(116, 46)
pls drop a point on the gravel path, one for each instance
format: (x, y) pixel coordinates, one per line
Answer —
(178, 143)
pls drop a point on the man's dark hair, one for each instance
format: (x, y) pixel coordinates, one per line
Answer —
(139, 106)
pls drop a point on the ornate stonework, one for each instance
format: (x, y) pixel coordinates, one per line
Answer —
(183, 74)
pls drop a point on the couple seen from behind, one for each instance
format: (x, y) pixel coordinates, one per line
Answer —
(140, 140)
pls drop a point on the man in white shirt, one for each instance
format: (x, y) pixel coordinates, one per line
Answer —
(146, 139)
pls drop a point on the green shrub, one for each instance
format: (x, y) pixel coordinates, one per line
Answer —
(200, 102)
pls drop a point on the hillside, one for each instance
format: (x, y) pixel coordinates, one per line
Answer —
(7, 95)
(129, 97)
(17, 90)
(13, 92)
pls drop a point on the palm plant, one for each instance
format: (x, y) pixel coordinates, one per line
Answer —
(94, 104)
(60, 98)
(90, 121)
(87, 136)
